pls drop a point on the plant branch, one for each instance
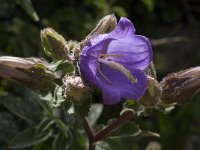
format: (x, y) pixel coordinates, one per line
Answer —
(88, 130)
(107, 130)
(89, 133)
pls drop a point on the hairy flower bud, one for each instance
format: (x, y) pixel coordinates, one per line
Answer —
(31, 72)
(105, 25)
(180, 87)
(74, 89)
(54, 44)
(152, 94)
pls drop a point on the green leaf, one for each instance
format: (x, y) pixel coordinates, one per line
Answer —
(28, 138)
(127, 130)
(24, 108)
(135, 106)
(82, 110)
(54, 98)
(102, 145)
(43, 146)
(28, 7)
(61, 142)
(8, 127)
(44, 125)
(78, 141)
(62, 65)
(124, 137)
(45, 106)
(64, 128)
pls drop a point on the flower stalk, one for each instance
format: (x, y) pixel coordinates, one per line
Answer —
(93, 138)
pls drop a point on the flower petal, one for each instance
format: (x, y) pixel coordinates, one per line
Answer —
(120, 86)
(135, 51)
(123, 28)
(87, 69)
(89, 58)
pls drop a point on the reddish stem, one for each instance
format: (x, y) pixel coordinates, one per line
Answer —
(107, 130)
(88, 130)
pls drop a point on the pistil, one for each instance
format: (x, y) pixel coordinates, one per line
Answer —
(103, 56)
(120, 68)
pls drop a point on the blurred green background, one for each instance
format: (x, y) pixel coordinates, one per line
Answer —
(172, 25)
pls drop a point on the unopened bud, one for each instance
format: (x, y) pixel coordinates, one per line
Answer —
(180, 87)
(152, 94)
(74, 89)
(54, 44)
(31, 72)
(105, 25)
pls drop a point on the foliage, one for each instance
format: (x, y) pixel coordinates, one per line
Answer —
(31, 122)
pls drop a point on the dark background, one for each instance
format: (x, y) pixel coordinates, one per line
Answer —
(177, 21)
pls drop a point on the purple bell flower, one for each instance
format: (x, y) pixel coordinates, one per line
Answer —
(115, 62)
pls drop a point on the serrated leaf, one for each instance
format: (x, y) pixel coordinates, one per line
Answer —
(124, 137)
(28, 7)
(54, 98)
(102, 145)
(126, 131)
(28, 138)
(24, 108)
(135, 106)
(66, 105)
(82, 110)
